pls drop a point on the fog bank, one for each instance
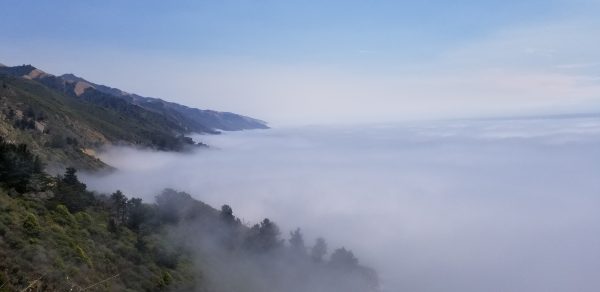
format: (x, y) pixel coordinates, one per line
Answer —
(496, 205)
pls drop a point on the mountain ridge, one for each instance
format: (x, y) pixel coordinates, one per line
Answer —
(65, 119)
(215, 119)
(193, 118)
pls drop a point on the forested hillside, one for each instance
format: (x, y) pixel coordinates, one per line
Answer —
(55, 235)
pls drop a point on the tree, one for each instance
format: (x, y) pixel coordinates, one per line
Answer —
(343, 258)
(17, 166)
(227, 233)
(72, 193)
(319, 250)
(136, 214)
(70, 178)
(112, 225)
(264, 237)
(172, 205)
(227, 214)
(119, 204)
(297, 242)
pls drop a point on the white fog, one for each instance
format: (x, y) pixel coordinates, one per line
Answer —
(479, 205)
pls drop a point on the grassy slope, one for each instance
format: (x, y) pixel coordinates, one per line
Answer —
(114, 118)
(60, 123)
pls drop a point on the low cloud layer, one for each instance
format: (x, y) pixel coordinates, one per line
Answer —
(496, 205)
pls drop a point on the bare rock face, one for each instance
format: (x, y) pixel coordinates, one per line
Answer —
(80, 88)
(36, 74)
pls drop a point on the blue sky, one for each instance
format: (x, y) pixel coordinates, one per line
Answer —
(297, 30)
(321, 61)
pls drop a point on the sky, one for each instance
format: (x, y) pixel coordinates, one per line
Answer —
(309, 62)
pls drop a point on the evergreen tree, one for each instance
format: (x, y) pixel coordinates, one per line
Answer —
(343, 258)
(17, 165)
(319, 250)
(72, 193)
(264, 237)
(70, 178)
(119, 204)
(136, 213)
(297, 242)
(227, 214)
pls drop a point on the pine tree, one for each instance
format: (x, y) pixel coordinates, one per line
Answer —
(319, 250)
(119, 203)
(297, 242)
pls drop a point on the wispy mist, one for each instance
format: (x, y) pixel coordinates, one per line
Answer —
(497, 205)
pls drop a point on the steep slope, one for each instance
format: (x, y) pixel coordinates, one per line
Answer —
(64, 118)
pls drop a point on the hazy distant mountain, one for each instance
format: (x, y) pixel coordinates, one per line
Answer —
(195, 119)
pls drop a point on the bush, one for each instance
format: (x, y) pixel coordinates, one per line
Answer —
(61, 215)
(84, 219)
(83, 256)
(31, 225)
